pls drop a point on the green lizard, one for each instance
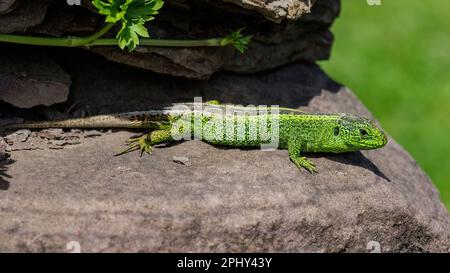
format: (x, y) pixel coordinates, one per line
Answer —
(239, 126)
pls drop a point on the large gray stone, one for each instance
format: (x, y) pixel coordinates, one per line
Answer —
(18, 17)
(278, 9)
(7, 6)
(273, 45)
(31, 77)
(228, 199)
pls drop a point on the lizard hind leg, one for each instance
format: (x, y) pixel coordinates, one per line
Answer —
(144, 143)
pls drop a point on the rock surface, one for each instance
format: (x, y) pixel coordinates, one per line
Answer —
(227, 199)
(278, 9)
(18, 17)
(30, 77)
(7, 6)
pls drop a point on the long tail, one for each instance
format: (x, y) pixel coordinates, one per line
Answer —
(146, 119)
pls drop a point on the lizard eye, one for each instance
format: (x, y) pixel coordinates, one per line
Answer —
(363, 132)
(336, 131)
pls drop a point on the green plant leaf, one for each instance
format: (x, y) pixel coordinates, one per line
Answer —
(111, 9)
(133, 14)
(238, 40)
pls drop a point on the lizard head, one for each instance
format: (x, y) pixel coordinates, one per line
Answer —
(358, 133)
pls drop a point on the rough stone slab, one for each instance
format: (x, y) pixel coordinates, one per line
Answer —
(274, 44)
(278, 9)
(227, 199)
(65, 20)
(30, 77)
(196, 63)
(263, 56)
(202, 63)
(26, 14)
(7, 6)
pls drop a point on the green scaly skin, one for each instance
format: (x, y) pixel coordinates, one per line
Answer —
(299, 132)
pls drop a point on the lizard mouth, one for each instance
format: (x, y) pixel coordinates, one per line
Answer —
(377, 142)
(385, 139)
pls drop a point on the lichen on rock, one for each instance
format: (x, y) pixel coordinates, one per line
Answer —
(278, 9)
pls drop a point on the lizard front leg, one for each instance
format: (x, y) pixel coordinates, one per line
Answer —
(145, 142)
(294, 148)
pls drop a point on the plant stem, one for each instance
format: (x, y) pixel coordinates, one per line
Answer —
(98, 34)
(165, 43)
(39, 41)
(94, 41)
(50, 41)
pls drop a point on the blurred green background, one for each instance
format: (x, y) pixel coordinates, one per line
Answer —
(396, 58)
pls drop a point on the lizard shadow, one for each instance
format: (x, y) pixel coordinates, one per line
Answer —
(357, 159)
